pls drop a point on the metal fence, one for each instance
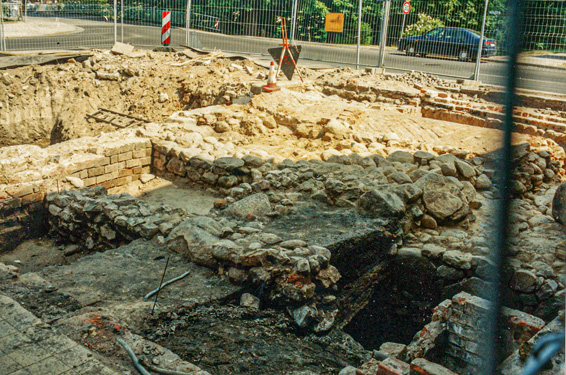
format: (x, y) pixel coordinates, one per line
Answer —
(375, 32)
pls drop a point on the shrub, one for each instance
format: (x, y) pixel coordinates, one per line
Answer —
(424, 24)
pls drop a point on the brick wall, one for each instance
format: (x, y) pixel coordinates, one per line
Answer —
(28, 173)
(459, 327)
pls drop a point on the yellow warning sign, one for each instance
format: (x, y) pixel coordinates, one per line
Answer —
(334, 22)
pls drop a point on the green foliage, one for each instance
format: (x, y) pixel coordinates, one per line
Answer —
(424, 24)
(366, 34)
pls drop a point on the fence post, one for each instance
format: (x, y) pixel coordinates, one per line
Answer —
(115, 21)
(359, 35)
(294, 23)
(122, 19)
(188, 24)
(384, 29)
(3, 36)
(480, 46)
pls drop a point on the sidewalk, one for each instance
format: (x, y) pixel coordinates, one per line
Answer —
(30, 347)
(34, 27)
(544, 60)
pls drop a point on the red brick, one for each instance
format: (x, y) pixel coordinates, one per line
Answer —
(392, 366)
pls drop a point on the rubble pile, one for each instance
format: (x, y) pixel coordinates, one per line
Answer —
(454, 339)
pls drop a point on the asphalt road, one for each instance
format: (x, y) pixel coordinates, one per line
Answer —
(99, 34)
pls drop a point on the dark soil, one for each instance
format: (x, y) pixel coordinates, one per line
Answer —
(235, 340)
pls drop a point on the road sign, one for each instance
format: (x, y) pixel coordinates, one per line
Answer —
(406, 7)
(165, 28)
(287, 66)
(334, 22)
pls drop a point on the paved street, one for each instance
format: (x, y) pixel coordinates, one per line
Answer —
(97, 34)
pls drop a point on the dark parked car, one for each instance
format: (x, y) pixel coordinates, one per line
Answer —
(448, 41)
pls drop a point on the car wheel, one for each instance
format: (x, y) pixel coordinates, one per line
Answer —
(410, 50)
(463, 55)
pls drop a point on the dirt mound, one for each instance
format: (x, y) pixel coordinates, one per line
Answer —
(50, 102)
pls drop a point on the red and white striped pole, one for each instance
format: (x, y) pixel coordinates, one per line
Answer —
(166, 28)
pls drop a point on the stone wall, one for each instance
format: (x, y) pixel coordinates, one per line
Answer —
(288, 271)
(28, 173)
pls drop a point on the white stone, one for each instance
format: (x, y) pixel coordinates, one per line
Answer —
(76, 182)
(146, 177)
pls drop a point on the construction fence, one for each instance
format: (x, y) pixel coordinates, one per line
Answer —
(436, 36)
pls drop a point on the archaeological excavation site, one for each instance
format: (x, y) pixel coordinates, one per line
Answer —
(161, 213)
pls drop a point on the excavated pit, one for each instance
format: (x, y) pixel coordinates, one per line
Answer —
(387, 288)
(48, 104)
(401, 304)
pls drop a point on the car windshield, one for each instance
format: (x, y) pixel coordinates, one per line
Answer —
(436, 33)
(473, 33)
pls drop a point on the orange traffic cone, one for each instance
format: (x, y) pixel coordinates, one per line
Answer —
(272, 80)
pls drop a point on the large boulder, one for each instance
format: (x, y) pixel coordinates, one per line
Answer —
(445, 198)
(379, 203)
(192, 241)
(559, 204)
(256, 205)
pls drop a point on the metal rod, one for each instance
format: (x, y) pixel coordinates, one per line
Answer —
(122, 19)
(493, 344)
(188, 25)
(3, 39)
(480, 46)
(115, 21)
(359, 35)
(294, 23)
(384, 28)
(160, 285)
(25, 10)
(164, 284)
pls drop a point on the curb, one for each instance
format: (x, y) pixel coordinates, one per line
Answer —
(530, 64)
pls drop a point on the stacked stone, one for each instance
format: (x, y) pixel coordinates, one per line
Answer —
(28, 173)
(367, 91)
(455, 337)
(534, 169)
(97, 221)
(434, 189)
(289, 271)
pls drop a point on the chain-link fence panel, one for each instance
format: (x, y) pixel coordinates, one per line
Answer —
(65, 25)
(436, 36)
(140, 22)
(248, 26)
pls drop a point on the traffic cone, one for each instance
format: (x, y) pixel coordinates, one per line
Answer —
(272, 80)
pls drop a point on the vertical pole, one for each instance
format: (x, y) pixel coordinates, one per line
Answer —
(294, 23)
(3, 38)
(403, 26)
(122, 19)
(492, 348)
(359, 35)
(115, 21)
(480, 46)
(188, 24)
(25, 10)
(384, 29)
